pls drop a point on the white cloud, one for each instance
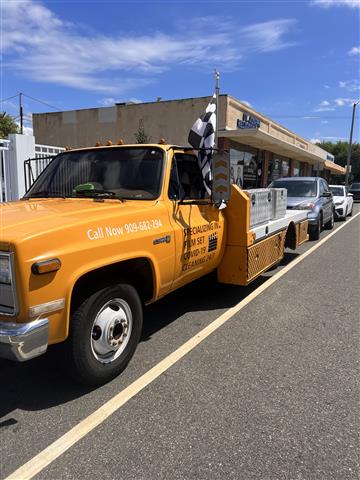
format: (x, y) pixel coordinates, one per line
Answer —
(336, 3)
(110, 101)
(354, 51)
(350, 85)
(107, 102)
(324, 109)
(326, 86)
(324, 106)
(135, 100)
(41, 46)
(245, 102)
(341, 102)
(334, 138)
(267, 36)
(322, 138)
(324, 122)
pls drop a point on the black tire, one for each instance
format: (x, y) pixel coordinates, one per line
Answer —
(350, 214)
(81, 360)
(330, 224)
(314, 233)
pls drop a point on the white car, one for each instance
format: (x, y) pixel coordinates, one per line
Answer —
(343, 201)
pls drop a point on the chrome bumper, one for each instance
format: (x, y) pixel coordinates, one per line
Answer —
(23, 341)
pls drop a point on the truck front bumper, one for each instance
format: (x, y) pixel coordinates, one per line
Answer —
(23, 341)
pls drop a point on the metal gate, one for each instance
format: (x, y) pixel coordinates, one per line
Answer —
(33, 167)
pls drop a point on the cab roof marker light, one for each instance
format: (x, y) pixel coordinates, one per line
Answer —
(46, 266)
(44, 308)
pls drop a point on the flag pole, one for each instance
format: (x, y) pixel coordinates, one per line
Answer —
(217, 77)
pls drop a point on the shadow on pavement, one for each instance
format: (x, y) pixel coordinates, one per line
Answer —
(40, 384)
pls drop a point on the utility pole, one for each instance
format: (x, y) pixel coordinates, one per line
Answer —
(217, 77)
(21, 114)
(350, 145)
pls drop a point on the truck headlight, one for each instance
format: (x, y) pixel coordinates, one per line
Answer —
(339, 203)
(5, 270)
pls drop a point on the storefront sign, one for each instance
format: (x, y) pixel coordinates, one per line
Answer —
(247, 121)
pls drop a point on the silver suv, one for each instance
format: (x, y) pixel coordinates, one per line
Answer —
(312, 194)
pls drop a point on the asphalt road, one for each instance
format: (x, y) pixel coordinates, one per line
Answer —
(272, 394)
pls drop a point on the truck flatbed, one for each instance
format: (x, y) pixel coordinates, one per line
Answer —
(272, 226)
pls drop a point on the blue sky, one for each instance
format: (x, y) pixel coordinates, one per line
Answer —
(296, 61)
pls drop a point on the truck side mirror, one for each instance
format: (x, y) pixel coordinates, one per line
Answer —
(220, 191)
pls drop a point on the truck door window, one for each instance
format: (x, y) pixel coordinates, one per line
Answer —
(186, 177)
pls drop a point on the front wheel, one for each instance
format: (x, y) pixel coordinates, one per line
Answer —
(350, 214)
(104, 332)
(314, 233)
(330, 224)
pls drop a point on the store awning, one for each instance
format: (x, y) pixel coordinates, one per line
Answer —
(259, 139)
(334, 168)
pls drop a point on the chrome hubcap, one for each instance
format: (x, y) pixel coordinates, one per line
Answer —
(111, 330)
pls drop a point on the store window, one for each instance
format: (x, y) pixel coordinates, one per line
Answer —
(278, 167)
(244, 168)
(296, 168)
(303, 169)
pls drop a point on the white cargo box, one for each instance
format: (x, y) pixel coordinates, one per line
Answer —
(279, 202)
(260, 205)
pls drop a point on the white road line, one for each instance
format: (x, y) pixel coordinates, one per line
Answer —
(53, 451)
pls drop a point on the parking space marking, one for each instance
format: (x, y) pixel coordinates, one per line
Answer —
(79, 431)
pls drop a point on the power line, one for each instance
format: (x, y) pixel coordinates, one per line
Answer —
(40, 101)
(32, 98)
(9, 98)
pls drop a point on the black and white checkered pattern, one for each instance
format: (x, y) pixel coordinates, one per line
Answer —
(202, 135)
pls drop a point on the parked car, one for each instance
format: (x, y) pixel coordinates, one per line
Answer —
(312, 194)
(343, 201)
(355, 191)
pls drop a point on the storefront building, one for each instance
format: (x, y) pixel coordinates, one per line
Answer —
(261, 150)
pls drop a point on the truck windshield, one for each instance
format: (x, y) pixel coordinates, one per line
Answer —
(301, 188)
(123, 172)
(337, 191)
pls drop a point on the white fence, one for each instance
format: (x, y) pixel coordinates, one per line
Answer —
(4, 147)
(14, 152)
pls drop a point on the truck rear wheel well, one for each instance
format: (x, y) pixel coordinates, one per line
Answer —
(136, 272)
(290, 239)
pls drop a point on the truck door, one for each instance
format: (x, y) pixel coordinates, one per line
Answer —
(198, 224)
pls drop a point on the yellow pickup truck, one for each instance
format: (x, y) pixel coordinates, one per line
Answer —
(106, 230)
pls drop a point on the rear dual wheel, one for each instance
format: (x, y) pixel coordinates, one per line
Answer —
(104, 332)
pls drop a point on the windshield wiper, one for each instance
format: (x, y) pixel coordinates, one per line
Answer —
(45, 194)
(98, 194)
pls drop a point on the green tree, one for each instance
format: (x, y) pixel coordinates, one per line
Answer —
(340, 151)
(141, 136)
(7, 125)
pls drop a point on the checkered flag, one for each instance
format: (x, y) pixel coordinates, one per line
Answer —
(202, 135)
